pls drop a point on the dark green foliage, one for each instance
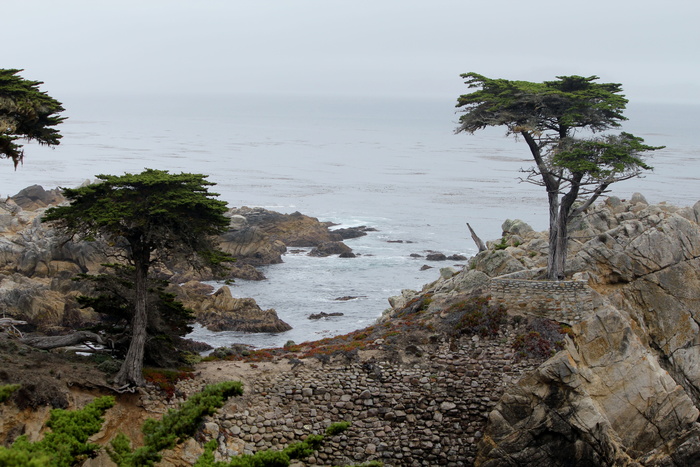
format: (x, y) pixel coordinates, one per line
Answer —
(556, 119)
(147, 217)
(25, 113)
(7, 390)
(114, 298)
(568, 102)
(479, 316)
(66, 444)
(502, 245)
(271, 458)
(337, 428)
(170, 212)
(602, 157)
(15, 457)
(174, 427)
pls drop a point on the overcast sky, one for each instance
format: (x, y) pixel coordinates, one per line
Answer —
(373, 47)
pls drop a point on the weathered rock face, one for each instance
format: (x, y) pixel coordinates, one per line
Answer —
(251, 245)
(605, 400)
(35, 197)
(222, 312)
(293, 230)
(626, 389)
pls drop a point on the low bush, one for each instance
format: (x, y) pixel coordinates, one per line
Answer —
(174, 427)
(544, 339)
(269, 458)
(66, 444)
(7, 390)
(477, 316)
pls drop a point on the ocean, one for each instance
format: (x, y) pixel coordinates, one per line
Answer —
(391, 164)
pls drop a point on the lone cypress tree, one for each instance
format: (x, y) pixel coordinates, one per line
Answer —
(25, 113)
(548, 116)
(147, 217)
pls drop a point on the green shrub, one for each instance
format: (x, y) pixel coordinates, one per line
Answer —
(337, 428)
(269, 458)
(6, 391)
(174, 427)
(66, 444)
(502, 245)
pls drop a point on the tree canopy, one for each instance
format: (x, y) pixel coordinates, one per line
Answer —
(146, 217)
(560, 121)
(26, 113)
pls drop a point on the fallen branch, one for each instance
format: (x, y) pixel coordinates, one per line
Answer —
(479, 244)
(53, 342)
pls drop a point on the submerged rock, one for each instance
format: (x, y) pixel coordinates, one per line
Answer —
(332, 248)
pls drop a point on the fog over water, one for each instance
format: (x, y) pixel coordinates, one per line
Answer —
(391, 164)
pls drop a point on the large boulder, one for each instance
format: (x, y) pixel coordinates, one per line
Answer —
(497, 262)
(222, 312)
(252, 245)
(293, 230)
(35, 197)
(332, 248)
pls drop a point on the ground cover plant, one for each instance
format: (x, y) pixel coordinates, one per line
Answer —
(542, 340)
(67, 442)
(174, 427)
(270, 458)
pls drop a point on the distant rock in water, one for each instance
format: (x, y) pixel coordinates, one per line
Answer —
(349, 297)
(353, 232)
(436, 256)
(331, 248)
(292, 230)
(323, 314)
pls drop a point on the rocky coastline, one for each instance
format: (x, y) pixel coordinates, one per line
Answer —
(449, 375)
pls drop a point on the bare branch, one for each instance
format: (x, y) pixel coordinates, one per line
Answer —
(479, 243)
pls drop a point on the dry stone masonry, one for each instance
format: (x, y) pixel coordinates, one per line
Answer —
(563, 301)
(428, 412)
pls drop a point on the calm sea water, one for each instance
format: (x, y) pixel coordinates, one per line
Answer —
(394, 165)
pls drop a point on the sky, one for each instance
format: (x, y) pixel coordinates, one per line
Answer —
(391, 48)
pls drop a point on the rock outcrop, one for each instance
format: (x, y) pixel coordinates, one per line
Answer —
(626, 388)
(222, 312)
(36, 262)
(292, 230)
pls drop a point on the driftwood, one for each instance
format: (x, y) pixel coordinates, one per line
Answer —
(8, 325)
(479, 244)
(53, 342)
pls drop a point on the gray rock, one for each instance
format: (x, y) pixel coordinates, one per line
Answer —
(515, 227)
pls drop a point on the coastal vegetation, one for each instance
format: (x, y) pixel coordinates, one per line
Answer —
(113, 298)
(146, 218)
(558, 120)
(25, 113)
(66, 443)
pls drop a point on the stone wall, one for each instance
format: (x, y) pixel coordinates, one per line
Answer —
(427, 411)
(563, 301)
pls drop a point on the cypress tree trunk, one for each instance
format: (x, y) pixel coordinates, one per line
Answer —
(559, 230)
(131, 372)
(555, 260)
